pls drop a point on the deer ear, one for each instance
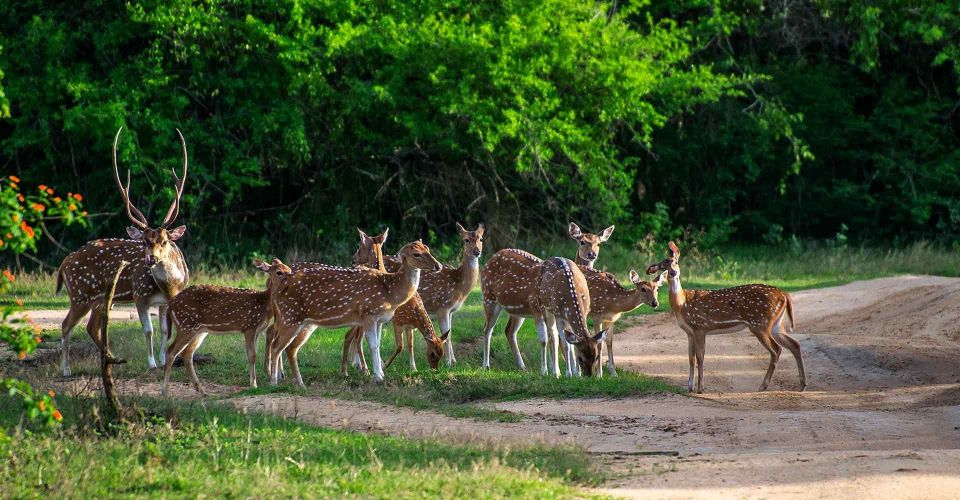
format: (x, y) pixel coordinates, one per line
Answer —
(383, 237)
(574, 231)
(176, 233)
(634, 277)
(460, 229)
(570, 337)
(660, 279)
(600, 337)
(134, 233)
(445, 336)
(479, 230)
(363, 236)
(605, 235)
(674, 250)
(261, 265)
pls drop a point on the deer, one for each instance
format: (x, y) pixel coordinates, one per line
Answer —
(203, 309)
(565, 302)
(757, 307)
(408, 317)
(158, 271)
(445, 291)
(589, 248)
(333, 297)
(609, 300)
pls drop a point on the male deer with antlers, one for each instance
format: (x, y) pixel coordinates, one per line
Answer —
(333, 297)
(156, 274)
(759, 308)
(203, 309)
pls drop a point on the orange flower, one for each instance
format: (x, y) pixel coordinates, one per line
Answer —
(42, 187)
(16, 218)
(9, 236)
(19, 302)
(71, 207)
(78, 197)
(20, 197)
(1, 243)
(57, 199)
(51, 393)
(7, 274)
(37, 330)
(14, 178)
(42, 406)
(84, 213)
(49, 191)
(27, 229)
(37, 340)
(38, 207)
(14, 185)
(22, 355)
(57, 416)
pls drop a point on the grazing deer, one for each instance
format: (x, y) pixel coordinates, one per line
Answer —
(609, 300)
(444, 292)
(589, 248)
(156, 274)
(203, 309)
(408, 317)
(332, 297)
(510, 282)
(565, 301)
(759, 308)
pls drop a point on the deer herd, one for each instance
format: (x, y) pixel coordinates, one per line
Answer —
(406, 289)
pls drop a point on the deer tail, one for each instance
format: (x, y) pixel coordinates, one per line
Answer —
(793, 324)
(59, 278)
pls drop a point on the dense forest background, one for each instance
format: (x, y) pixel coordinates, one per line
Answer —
(733, 120)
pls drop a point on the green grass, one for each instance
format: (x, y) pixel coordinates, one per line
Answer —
(188, 450)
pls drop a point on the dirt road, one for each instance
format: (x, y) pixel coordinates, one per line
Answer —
(880, 416)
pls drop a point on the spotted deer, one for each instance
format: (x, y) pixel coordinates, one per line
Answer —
(565, 301)
(509, 283)
(444, 292)
(203, 309)
(589, 248)
(408, 317)
(759, 308)
(333, 297)
(156, 274)
(609, 300)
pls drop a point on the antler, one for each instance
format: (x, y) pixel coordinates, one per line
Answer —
(135, 215)
(174, 210)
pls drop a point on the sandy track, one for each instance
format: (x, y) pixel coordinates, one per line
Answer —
(881, 414)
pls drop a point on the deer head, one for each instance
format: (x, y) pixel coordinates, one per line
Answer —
(648, 289)
(589, 243)
(157, 242)
(588, 350)
(435, 349)
(277, 273)
(472, 240)
(416, 255)
(669, 264)
(369, 252)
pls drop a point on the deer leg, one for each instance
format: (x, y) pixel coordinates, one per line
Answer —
(691, 354)
(445, 322)
(143, 310)
(250, 341)
(164, 331)
(608, 326)
(180, 342)
(398, 342)
(283, 336)
(361, 359)
(513, 326)
(413, 358)
(348, 348)
(781, 337)
(491, 312)
(373, 332)
(701, 349)
(767, 342)
(553, 343)
(568, 355)
(188, 360)
(73, 317)
(543, 335)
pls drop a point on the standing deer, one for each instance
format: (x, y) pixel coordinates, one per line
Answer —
(203, 309)
(510, 282)
(156, 274)
(589, 248)
(444, 292)
(565, 301)
(759, 308)
(609, 300)
(408, 317)
(333, 297)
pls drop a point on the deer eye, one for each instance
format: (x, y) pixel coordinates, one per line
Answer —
(279, 273)
(466, 240)
(417, 255)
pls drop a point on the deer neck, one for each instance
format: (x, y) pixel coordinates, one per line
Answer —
(171, 274)
(402, 284)
(678, 298)
(583, 262)
(468, 273)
